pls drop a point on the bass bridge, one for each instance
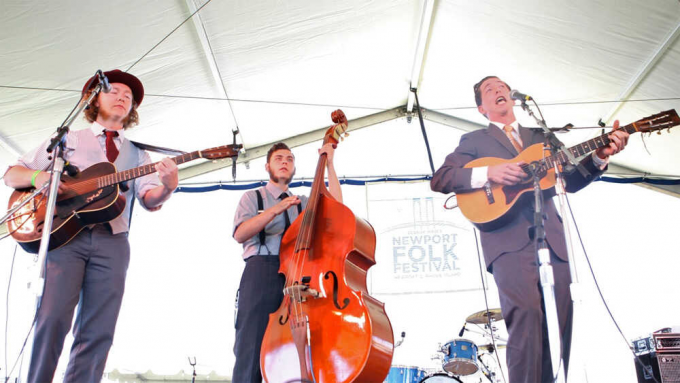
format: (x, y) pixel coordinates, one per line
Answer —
(300, 292)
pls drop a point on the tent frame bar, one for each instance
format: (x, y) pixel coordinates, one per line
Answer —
(647, 67)
(294, 141)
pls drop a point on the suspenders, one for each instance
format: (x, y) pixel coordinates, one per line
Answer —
(260, 209)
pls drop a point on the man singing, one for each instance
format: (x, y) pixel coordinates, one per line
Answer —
(509, 251)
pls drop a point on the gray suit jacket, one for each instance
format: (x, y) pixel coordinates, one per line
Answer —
(514, 235)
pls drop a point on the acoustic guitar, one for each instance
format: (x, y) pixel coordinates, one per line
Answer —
(490, 207)
(93, 196)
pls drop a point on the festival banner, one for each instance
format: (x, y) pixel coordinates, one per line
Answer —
(421, 247)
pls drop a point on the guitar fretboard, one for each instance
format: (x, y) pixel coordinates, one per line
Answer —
(594, 144)
(126, 175)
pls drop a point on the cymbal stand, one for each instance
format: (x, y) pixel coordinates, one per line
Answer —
(487, 372)
(488, 333)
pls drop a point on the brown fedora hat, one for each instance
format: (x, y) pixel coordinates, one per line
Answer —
(119, 76)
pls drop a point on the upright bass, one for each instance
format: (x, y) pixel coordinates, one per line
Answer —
(328, 328)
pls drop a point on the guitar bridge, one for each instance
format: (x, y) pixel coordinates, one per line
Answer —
(489, 193)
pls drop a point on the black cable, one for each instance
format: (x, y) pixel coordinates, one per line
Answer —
(168, 35)
(575, 103)
(486, 302)
(9, 283)
(223, 99)
(422, 128)
(39, 302)
(599, 291)
(345, 106)
(23, 346)
(224, 88)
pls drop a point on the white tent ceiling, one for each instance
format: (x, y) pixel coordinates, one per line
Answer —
(276, 69)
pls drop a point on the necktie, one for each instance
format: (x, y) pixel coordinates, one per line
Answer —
(508, 132)
(111, 150)
(285, 212)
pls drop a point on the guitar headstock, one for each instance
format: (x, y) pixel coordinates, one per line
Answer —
(337, 132)
(225, 151)
(657, 122)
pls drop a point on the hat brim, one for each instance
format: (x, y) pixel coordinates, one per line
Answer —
(118, 76)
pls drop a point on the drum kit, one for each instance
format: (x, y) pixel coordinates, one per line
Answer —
(460, 358)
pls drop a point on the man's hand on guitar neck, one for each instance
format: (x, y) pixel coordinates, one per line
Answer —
(618, 138)
(506, 174)
(168, 174)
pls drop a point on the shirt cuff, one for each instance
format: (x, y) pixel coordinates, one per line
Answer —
(599, 162)
(479, 177)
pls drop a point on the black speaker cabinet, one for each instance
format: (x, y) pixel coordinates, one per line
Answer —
(651, 368)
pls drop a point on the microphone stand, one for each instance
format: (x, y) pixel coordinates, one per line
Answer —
(56, 148)
(543, 253)
(23, 203)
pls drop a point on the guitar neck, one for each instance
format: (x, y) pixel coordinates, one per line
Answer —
(587, 146)
(141, 171)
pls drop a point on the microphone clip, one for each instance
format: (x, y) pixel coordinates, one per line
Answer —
(104, 81)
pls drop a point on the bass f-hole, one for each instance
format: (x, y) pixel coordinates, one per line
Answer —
(345, 301)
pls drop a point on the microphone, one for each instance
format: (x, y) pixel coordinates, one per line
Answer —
(462, 330)
(106, 87)
(71, 169)
(516, 95)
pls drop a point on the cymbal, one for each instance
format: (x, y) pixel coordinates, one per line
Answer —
(489, 346)
(481, 317)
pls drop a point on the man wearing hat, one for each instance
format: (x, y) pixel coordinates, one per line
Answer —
(91, 268)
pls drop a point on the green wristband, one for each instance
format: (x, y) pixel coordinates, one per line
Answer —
(35, 175)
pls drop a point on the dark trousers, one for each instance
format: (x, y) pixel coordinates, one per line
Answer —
(260, 294)
(91, 270)
(528, 352)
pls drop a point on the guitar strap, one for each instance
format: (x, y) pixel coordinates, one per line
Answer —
(151, 148)
(158, 149)
(260, 208)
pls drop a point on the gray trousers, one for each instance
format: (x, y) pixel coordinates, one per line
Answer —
(91, 270)
(518, 281)
(260, 294)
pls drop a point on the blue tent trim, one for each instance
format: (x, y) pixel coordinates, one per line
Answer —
(353, 182)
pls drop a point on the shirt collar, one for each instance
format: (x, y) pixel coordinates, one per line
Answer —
(500, 125)
(274, 190)
(97, 129)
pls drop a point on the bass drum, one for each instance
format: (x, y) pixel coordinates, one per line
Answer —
(441, 377)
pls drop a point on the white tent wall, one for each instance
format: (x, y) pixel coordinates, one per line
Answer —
(185, 269)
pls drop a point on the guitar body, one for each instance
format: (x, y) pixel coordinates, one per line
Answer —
(491, 208)
(92, 197)
(73, 211)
